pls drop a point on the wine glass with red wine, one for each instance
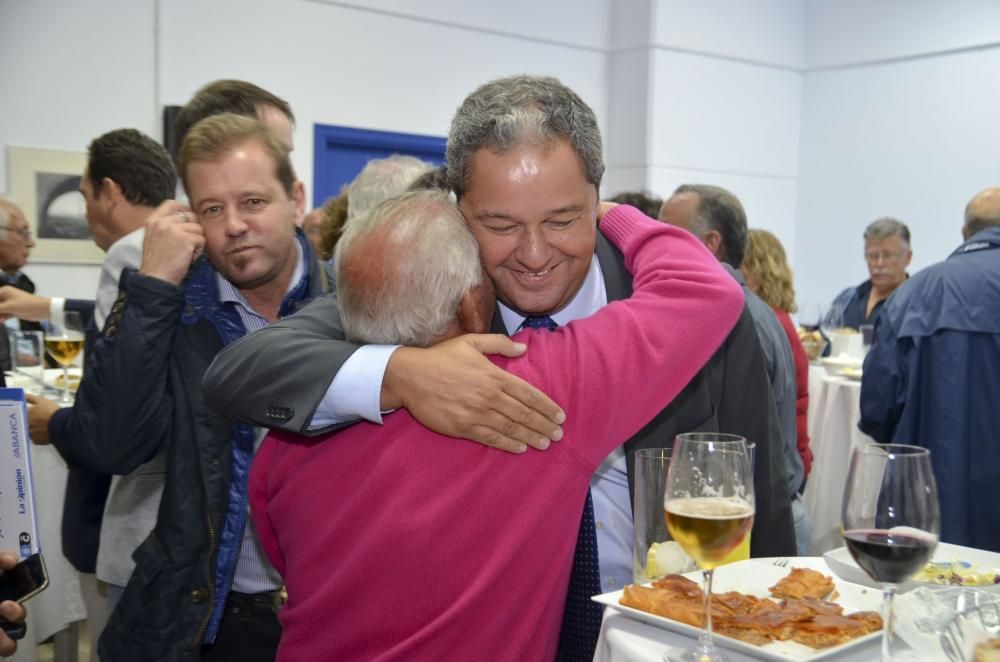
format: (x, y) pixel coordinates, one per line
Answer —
(890, 518)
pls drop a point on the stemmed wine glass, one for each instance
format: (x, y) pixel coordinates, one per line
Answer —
(832, 320)
(890, 518)
(63, 341)
(708, 503)
(810, 314)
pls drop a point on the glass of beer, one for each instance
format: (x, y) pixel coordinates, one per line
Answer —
(709, 507)
(64, 342)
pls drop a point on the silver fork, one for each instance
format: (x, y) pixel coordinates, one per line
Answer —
(781, 563)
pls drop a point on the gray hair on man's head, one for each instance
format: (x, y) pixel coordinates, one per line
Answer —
(403, 268)
(508, 112)
(382, 179)
(720, 210)
(886, 227)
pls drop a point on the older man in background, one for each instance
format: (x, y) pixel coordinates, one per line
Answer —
(887, 254)
(16, 243)
(716, 217)
(382, 179)
(930, 377)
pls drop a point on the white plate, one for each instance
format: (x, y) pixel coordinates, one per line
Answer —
(843, 565)
(835, 365)
(754, 578)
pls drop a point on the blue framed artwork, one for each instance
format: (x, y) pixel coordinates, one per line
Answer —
(340, 153)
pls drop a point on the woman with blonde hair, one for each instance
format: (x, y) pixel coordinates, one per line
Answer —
(765, 268)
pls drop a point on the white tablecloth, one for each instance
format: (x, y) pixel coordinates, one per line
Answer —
(834, 411)
(624, 639)
(61, 604)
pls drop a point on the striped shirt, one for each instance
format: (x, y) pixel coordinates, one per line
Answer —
(254, 573)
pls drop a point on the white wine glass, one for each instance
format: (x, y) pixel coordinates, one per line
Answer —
(709, 507)
(890, 518)
(63, 342)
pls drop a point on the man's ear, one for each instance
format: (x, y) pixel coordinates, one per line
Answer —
(111, 190)
(713, 240)
(299, 198)
(475, 313)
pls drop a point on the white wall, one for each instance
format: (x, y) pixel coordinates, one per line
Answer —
(68, 73)
(78, 70)
(819, 114)
(899, 119)
(709, 92)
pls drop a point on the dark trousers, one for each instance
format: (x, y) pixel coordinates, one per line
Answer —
(249, 632)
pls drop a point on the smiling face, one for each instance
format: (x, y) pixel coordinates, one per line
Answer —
(534, 215)
(248, 218)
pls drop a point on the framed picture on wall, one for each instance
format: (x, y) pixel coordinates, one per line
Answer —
(45, 184)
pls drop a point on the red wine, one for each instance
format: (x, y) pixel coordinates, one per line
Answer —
(889, 557)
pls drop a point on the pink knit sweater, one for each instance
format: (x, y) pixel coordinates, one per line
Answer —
(400, 544)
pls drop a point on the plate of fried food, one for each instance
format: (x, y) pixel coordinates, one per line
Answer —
(769, 612)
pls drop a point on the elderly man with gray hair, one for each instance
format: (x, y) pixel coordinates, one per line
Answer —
(382, 179)
(887, 254)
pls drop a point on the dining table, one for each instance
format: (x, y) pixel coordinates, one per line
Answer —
(623, 638)
(834, 412)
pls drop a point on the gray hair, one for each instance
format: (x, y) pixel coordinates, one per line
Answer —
(720, 210)
(886, 227)
(403, 269)
(382, 179)
(511, 111)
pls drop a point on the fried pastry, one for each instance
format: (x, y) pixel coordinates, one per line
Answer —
(663, 603)
(803, 583)
(987, 651)
(827, 630)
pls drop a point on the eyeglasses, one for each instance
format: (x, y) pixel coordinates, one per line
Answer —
(24, 232)
(885, 256)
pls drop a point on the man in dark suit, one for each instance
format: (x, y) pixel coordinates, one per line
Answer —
(525, 161)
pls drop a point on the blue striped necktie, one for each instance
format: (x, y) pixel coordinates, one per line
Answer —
(581, 624)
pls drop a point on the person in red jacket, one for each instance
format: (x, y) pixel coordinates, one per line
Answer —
(767, 273)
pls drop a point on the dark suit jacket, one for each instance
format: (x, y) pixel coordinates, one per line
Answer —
(731, 394)
(86, 489)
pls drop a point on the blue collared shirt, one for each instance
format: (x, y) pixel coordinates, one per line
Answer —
(254, 574)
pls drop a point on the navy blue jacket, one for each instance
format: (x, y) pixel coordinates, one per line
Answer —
(932, 378)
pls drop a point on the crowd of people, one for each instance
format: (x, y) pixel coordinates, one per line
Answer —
(450, 366)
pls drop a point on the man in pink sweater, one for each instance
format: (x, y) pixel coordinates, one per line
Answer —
(399, 543)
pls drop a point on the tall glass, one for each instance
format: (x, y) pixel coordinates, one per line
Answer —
(63, 342)
(709, 508)
(27, 357)
(890, 518)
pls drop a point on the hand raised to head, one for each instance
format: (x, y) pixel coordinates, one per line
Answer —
(174, 238)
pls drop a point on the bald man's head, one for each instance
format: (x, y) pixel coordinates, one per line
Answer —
(982, 212)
